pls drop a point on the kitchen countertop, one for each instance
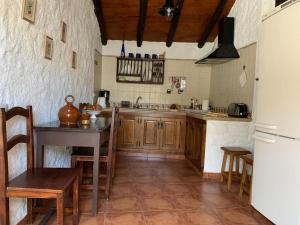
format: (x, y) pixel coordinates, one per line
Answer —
(190, 113)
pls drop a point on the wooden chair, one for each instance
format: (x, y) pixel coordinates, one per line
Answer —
(34, 183)
(234, 153)
(107, 154)
(246, 184)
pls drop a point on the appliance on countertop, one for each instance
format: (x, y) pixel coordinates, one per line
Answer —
(104, 94)
(238, 110)
(226, 50)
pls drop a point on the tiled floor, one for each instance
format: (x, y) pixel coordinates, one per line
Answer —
(166, 193)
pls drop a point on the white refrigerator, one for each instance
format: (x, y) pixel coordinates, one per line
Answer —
(276, 175)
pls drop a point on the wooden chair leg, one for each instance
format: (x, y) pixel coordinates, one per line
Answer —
(4, 211)
(223, 166)
(243, 180)
(250, 189)
(60, 210)
(30, 211)
(230, 172)
(75, 201)
(237, 166)
(108, 180)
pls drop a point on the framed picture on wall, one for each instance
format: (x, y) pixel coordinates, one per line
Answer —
(28, 10)
(63, 35)
(48, 48)
(74, 60)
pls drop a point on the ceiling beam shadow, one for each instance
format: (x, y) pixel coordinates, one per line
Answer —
(142, 21)
(212, 23)
(174, 23)
(99, 14)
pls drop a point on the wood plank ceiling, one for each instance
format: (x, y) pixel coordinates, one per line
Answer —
(139, 20)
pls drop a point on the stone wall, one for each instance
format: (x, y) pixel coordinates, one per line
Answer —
(27, 78)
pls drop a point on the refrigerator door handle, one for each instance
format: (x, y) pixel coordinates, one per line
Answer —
(265, 126)
(263, 139)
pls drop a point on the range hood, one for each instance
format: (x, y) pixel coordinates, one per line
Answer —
(226, 50)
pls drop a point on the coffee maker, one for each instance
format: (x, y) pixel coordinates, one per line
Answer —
(103, 99)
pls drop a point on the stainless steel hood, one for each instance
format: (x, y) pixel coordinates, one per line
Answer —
(226, 50)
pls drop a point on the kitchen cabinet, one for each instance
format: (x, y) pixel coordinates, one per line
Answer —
(128, 131)
(152, 134)
(171, 134)
(195, 141)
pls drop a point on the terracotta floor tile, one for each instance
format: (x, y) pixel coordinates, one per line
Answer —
(122, 204)
(237, 216)
(157, 203)
(147, 171)
(149, 189)
(85, 205)
(222, 201)
(170, 179)
(123, 190)
(191, 179)
(122, 179)
(177, 189)
(164, 218)
(188, 203)
(125, 219)
(208, 187)
(146, 179)
(167, 192)
(91, 220)
(203, 217)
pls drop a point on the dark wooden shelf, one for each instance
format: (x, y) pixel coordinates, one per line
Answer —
(150, 71)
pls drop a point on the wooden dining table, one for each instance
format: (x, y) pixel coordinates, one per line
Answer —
(93, 135)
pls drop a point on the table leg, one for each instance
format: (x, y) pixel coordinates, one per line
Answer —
(96, 173)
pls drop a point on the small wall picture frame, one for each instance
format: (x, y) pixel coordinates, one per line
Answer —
(48, 54)
(29, 10)
(63, 34)
(74, 60)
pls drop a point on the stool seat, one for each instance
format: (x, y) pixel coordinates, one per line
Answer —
(236, 150)
(249, 158)
(234, 153)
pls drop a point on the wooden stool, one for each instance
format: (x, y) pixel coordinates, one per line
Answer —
(246, 186)
(234, 153)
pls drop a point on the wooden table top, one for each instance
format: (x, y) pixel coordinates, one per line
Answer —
(101, 124)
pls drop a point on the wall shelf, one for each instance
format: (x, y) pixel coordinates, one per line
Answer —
(140, 71)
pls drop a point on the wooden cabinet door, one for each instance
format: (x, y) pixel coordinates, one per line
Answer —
(128, 131)
(189, 138)
(170, 134)
(150, 133)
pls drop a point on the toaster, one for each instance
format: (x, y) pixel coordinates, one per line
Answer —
(238, 110)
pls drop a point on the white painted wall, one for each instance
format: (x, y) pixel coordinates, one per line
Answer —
(28, 78)
(224, 133)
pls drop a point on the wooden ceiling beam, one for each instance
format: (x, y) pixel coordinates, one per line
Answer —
(174, 23)
(211, 24)
(142, 21)
(99, 14)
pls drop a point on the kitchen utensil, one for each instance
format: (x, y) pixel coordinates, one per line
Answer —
(69, 115)
(93, 114)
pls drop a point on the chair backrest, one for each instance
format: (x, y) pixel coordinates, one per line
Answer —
(113, 131)
(6, 146)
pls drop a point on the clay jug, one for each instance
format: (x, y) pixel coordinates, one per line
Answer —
(69, 114)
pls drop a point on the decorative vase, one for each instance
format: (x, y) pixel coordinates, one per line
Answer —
(69, 114)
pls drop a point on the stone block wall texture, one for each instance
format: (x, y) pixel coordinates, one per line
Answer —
(27, 78)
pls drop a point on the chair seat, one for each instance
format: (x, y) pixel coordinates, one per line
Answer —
(90, 152)
(46, 180)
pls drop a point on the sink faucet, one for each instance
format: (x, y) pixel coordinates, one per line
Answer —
(137, 102)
